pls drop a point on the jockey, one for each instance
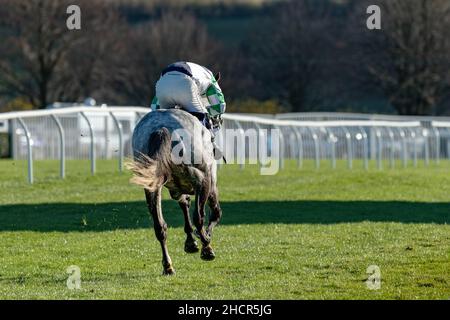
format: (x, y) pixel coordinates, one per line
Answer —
(193, 88)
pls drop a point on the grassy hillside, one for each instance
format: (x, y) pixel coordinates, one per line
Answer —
(299, 234)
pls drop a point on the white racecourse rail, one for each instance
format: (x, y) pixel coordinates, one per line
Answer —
(83, 132)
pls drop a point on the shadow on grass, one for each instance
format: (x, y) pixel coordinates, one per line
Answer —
(133, 215)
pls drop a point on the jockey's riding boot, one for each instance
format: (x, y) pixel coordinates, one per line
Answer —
(216, 150)
(203, 118)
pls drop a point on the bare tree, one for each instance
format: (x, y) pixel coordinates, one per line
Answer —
(409, 58)
(42, 60)
(290, 54)
(175, 36)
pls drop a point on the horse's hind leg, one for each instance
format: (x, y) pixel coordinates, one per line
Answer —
(154, 206)
(190, 245)
(216, 211)
(201, 197)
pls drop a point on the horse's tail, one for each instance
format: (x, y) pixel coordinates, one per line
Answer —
(151, 171)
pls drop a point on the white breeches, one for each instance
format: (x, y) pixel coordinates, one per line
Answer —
(177, 89)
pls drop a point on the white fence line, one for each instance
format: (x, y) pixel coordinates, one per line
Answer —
(374, 138)
(327, 123)
(70, 110)
(441, 124)
(356, 116)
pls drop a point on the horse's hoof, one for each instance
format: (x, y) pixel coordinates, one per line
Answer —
(191, 247)
(207, 253)
(168, 271)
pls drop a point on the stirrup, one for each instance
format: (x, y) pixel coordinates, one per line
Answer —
(218, 154)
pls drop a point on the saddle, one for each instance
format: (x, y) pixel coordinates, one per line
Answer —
(203, 118)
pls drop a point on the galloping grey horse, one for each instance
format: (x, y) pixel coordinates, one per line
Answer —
(156, 164)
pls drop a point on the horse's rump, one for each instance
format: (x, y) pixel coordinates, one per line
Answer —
(153, 139)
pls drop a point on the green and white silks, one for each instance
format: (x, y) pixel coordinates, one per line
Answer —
(216, 100)
(212, 98)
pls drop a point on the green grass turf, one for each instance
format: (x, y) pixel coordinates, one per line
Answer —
(300, 234)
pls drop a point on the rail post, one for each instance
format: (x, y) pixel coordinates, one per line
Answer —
(379, 149)
(316, 147)
(62, 147)
(300, 146)
(391, 149)
(333, 147)
(281, 146)
(404, 151)
(448, 149)
(118, 126)
(427, 147)
(30, 150)
(138, 117)
(348, 138)
(91, 133)
(437, 138)
(242, 137)
(365, 148)
(414, 136)
(261, 137)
